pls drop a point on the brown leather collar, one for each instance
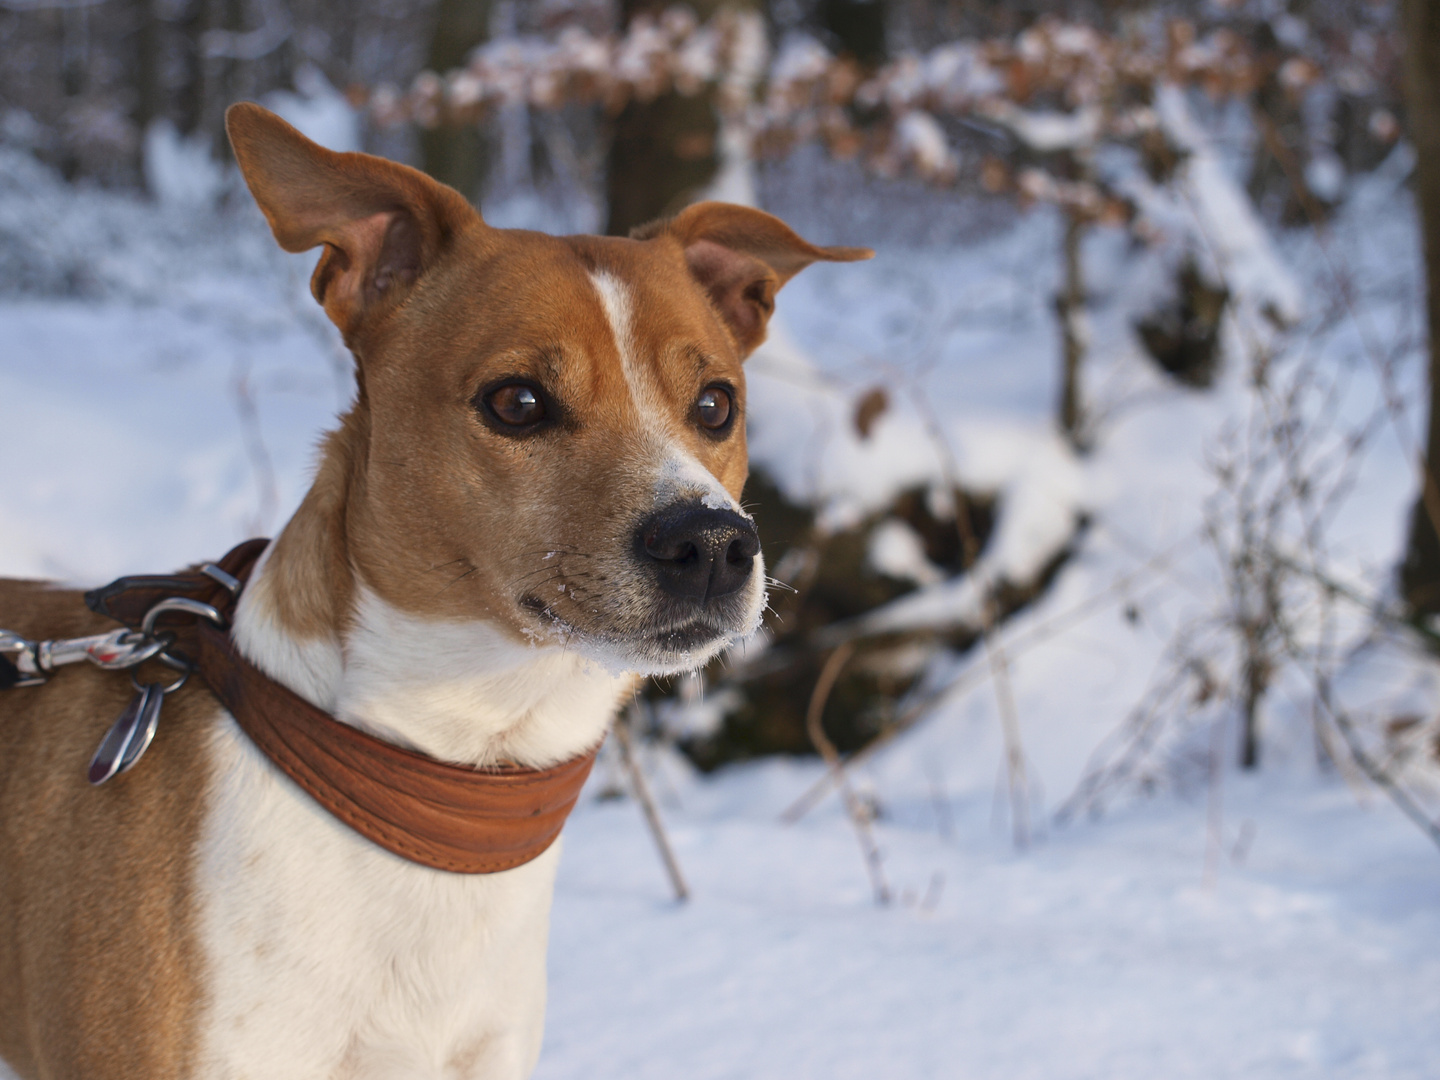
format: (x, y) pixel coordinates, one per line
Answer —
(449, 817)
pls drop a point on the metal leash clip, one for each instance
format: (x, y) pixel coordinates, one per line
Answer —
(31, 663)
(131, 734)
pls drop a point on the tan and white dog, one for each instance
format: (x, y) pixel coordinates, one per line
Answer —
(531, 502)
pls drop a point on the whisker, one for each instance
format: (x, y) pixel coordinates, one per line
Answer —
(462, 577)
(555, 575)
(538, 571)
(443, 565)
(556, 549)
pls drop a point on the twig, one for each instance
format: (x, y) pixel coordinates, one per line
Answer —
(1390, 393)
(647, 802)
(1374, 772)
(1138, 734)
(1378, 776)
(259, 454)
(1016, 772)
(858, 817)
(1372, 606)
(1215, 810)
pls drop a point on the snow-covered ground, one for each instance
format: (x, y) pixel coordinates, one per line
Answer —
(1268, 925)
(1100, 953)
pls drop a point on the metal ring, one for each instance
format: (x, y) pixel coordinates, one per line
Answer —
(180, 603)
(154, 644)
(215, 573)
(184, 677)
(175, 663)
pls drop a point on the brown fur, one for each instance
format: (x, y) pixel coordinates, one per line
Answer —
(100, 969)
(434, 510)
(418, 497)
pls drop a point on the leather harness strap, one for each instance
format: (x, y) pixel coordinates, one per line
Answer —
(127, 599)
(448, 817)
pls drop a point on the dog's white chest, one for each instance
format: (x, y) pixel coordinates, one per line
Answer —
(328, 957)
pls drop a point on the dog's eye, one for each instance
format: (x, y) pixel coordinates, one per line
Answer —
(714, 407)
(516, 404)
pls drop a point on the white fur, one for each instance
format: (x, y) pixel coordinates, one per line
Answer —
(615, 299)
(327, 956)
(313, 668)
(678, 475)
(464, 691)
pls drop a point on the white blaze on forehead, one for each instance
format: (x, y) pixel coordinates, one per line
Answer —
(615, 299)
(679, 476)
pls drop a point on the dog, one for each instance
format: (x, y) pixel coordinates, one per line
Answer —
(531, 504)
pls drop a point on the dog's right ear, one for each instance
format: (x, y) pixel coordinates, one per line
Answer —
(383, 224)
(741, 257)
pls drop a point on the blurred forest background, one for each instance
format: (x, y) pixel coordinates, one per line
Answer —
(607, 115)
(1101, 507)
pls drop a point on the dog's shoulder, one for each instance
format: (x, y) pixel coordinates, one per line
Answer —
(108, 873)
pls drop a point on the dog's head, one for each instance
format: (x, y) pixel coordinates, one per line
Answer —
(550, 431)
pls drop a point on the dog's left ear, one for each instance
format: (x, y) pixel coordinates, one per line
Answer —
(383, 224)
(742, 257)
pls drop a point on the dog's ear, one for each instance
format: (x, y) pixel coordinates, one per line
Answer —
(383, 224)
(742, 257)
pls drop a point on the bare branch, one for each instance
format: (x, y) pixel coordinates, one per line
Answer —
(624, 736)
(859, 817)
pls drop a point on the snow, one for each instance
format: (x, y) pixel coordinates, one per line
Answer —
(1100, 953)
(898, 552)
(1047, 132)
(1228, 230)
(164, 381)
(179, 169)
(920, 139)
(800, 59)
(1325, 176)
(318, 111)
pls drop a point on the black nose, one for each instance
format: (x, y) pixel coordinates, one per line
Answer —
(699, 553)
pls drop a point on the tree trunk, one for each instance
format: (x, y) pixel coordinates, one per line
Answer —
(458, 156)
(662, 155)
(74, 77)
(1070, 305)
(147, 105)
(1256, 677)
(856, 28)
(188, 97)
(663, 152)
(220, 74)
(1420, 28)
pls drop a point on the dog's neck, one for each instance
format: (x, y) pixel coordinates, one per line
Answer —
(465, 692)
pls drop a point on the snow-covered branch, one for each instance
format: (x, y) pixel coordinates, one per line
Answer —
(1058, 89)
